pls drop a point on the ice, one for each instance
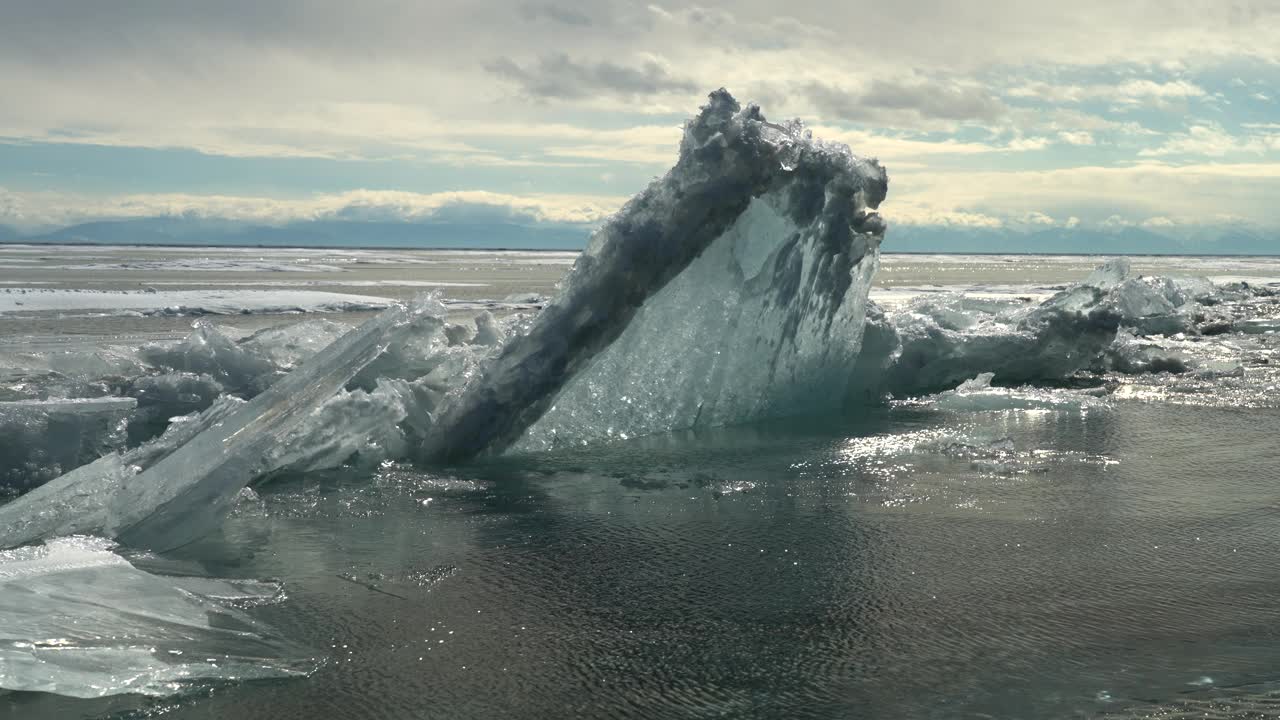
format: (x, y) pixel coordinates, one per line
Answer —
(287, 346)
(163, 397)
(978, 395)
(357, 424)
(1258, 326)
(84, 499)
(79, 620)
(184, 495)
(1102, 324)
(40, 439)
(732, 288)
(177, 489)
(208, 351)
(58, 367)
(183, 302)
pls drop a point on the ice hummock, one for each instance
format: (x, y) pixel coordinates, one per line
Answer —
(1100, 324)
(77, 619)
(730, 289)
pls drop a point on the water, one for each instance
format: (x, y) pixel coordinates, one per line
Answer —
(761, 572)
(904, 562)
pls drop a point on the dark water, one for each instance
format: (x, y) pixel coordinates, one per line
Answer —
(779, 571)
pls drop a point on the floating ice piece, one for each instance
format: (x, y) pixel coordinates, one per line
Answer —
(39, 439)
(732, 288)
(79, 620)
(1258, 326)
(978, 395)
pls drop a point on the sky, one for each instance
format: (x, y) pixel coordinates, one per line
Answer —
(1012, 114)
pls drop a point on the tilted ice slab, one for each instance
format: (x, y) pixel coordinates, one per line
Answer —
(77, 619)
(732, 288)
(181, 490)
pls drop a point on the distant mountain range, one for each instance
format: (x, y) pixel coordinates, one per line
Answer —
(550, 236)
(315, 233)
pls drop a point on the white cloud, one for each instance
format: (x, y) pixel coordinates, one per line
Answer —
(1079, 137)
(1186, 194)
(47, 209)
(1214, 141)
(1129, 92)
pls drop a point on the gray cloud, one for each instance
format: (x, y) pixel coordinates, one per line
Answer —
(906, 103)
(554, 13)
(560, 77)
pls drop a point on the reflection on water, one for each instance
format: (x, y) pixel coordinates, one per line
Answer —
(899, 565)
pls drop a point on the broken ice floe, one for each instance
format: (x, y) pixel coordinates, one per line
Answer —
(1104, 323)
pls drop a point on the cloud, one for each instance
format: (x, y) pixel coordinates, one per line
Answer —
(1187, 194)
(1079, 137)
(1212, 140)
(560, 77)
(911, 102)
(1127, 93)
(554, 13)
(50, 209)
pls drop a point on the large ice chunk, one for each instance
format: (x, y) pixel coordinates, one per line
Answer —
(77, 619)
(730, 289)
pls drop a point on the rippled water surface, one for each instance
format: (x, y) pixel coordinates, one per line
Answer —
(1112, 561)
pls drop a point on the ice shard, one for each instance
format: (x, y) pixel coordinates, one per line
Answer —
(730, 289)
(167, 494)
(184, 495)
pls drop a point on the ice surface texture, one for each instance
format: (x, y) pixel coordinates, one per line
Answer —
(727, 290)
(77, 619)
